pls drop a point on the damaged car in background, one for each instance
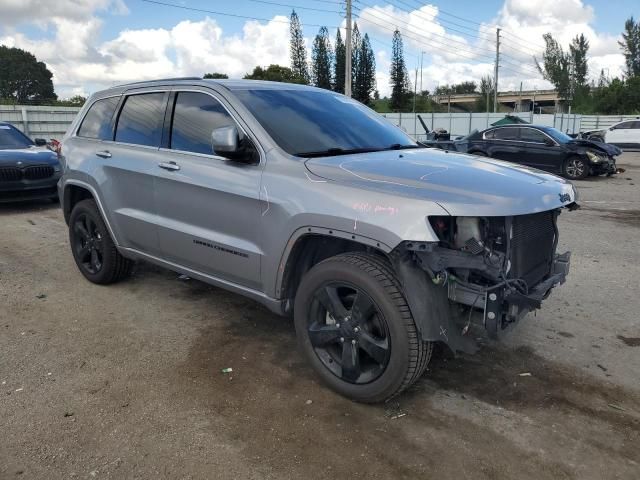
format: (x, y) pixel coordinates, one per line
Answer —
(317, 207)
(545, 148)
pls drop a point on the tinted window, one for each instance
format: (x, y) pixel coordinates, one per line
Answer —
(11, 137)
(97, 122)
(195, 116)
(302, 122)
(623, 125)
(140, 120)
(506, 134)
(489, 135)
(532, 135)
(636, 125)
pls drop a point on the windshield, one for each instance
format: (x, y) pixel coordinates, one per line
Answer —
(310, 123)
(11, 137)
(557, 135)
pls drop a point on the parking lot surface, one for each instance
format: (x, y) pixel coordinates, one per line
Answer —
(126, 381)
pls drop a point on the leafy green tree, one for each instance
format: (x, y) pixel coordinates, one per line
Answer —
(23, 78)
(578, 51)
(365, 77)
(275, 73)
(485, 102)
(321, 59)
(339, 64)
(400, 89)
(457, 88)
(555, 66)
(630, 45)
(297, 49)
(215, 75)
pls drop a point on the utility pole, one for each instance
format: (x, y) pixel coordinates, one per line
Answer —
(520, 99)
(347, 59)
(421, 58)
(415, 91)
(495, 73)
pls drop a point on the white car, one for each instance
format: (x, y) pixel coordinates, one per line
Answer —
(622, 134)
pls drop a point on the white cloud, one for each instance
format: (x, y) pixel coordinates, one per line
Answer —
(81, 62)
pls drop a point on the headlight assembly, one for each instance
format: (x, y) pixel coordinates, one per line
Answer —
(594, 157)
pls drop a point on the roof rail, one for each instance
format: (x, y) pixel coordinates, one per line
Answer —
(157, 80)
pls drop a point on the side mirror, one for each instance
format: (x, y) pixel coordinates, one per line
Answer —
(225, 140)
(40, 142)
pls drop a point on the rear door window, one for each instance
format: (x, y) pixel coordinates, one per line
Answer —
(97, 122)
(624, 126)
(195, 116)
(510, 133)
(141, 118)
(532, 135)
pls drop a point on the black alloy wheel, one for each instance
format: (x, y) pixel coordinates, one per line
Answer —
(349, 333)
(356, 329)
(88, 244)
(93, 249)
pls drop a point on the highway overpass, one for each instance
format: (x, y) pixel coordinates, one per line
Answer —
(513, 101)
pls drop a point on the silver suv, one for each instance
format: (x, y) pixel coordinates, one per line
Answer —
(315, 206)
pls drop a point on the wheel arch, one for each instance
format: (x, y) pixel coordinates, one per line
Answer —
(309, 246)
(75, 191)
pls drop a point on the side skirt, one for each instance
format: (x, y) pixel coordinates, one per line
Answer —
(276, 306)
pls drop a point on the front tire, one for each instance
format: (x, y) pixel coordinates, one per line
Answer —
(93, 249)
(576, 168)
(355, 327)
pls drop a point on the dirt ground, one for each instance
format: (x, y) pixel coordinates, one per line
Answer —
(125, 381)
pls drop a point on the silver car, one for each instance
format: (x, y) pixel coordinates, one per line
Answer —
(317, 207)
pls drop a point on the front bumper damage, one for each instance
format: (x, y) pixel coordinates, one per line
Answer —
(607, 165)
(452, 293)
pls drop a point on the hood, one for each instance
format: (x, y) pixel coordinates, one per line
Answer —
(599, 146)
(464, 185)
(28, 156)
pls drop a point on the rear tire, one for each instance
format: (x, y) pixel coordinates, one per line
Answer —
(479, 154)
(355, 327)
(93, 249)
(576, 168)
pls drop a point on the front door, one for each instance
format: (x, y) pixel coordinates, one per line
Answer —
(541, 151)
(208, 205)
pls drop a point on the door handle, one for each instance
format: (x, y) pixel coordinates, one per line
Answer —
(171, 166)
(104, 154)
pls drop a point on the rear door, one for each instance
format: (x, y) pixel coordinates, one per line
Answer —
(538, 150)
(208, 205)
(620, 134)
(122, 154)
(505, 144)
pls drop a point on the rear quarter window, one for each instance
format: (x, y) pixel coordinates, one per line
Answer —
(97, 121)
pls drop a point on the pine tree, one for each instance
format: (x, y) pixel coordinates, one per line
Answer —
(321, 57)
(339, 64)
(366, 72)
(399, 75)
(298, 51)
(356, 43)
(631, 47)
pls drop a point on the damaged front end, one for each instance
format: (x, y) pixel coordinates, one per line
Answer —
(499, 267)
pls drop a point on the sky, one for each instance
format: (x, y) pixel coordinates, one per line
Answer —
(93, 44)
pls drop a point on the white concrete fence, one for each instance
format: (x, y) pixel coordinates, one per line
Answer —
(39, 121)
(52, 121)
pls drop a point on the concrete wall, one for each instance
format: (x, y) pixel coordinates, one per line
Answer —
(39, 121)
(52, 122)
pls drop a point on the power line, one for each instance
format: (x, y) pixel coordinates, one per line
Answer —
(267, 2)
(234, 15)
(438, 44)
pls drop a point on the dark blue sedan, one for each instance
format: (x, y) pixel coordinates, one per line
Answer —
(28, 170)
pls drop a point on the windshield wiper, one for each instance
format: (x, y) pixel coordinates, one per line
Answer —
(333, 152)
(397, 146)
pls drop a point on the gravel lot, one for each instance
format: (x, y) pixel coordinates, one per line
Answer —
(125, 381)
